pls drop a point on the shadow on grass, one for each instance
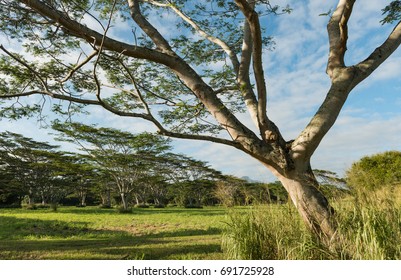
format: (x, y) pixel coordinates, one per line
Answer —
(52, 239)
(146, 211)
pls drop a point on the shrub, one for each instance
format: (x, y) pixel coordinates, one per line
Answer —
(122, 210)
(159, 206)
(141, 205)
(194, 206)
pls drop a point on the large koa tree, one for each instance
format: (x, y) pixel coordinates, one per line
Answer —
(188, 67)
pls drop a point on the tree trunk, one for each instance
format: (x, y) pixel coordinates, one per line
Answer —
(83, 199)
(311, 204)
(124, 200)
(106, 198)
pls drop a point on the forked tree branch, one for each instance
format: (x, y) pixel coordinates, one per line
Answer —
(79, 66)
(344, 78)
(243, 75)
(337, 29)
(257, 49)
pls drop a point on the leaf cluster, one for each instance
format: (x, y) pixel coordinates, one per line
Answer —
(392, 12)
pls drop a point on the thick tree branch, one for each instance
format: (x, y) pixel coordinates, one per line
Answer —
(268, 130)
(243, 75)
(79, 30)
(149, 29)
(379, 55)
(338, 35)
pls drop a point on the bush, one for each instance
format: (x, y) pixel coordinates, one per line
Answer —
(54, 207)
(105, 206)
(31, 207)
(141, 205)
(159, 206)
(122, 210)
(375, 172)
(10, 206)
(194, 206)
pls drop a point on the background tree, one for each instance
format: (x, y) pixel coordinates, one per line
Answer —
(169, 79)
(126, 158)
(330, 184)
(30, 165)
(376, 172)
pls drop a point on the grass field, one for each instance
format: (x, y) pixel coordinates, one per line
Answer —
(94, 233)
(369, 226)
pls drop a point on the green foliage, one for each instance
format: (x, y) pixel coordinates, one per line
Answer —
(392, 12)
(376, 171)
(60, 65)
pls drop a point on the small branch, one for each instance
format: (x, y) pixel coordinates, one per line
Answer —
(80, 65)
(227, 49)
(20, 61)
(53, 95)
(225, 89)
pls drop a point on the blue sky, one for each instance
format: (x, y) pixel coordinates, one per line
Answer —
(297, 83)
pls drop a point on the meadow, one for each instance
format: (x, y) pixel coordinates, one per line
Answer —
(369, 227)
(95, 233)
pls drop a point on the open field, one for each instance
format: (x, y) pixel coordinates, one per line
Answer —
(369, 226)
(94, 233)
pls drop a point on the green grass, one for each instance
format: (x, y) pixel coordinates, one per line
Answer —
(369, 228)
(369, 225)
(94, 233)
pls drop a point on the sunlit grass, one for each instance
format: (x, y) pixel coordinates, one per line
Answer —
(93, 233)
(369, 228)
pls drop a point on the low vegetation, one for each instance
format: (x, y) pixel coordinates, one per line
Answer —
(95, 233)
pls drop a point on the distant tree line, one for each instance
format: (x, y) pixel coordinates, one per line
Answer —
(116, 168)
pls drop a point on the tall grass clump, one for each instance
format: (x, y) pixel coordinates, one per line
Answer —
(369, 228)
(370, 224)
(269, 232)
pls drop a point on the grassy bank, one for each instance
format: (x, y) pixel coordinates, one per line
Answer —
(93, 233)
